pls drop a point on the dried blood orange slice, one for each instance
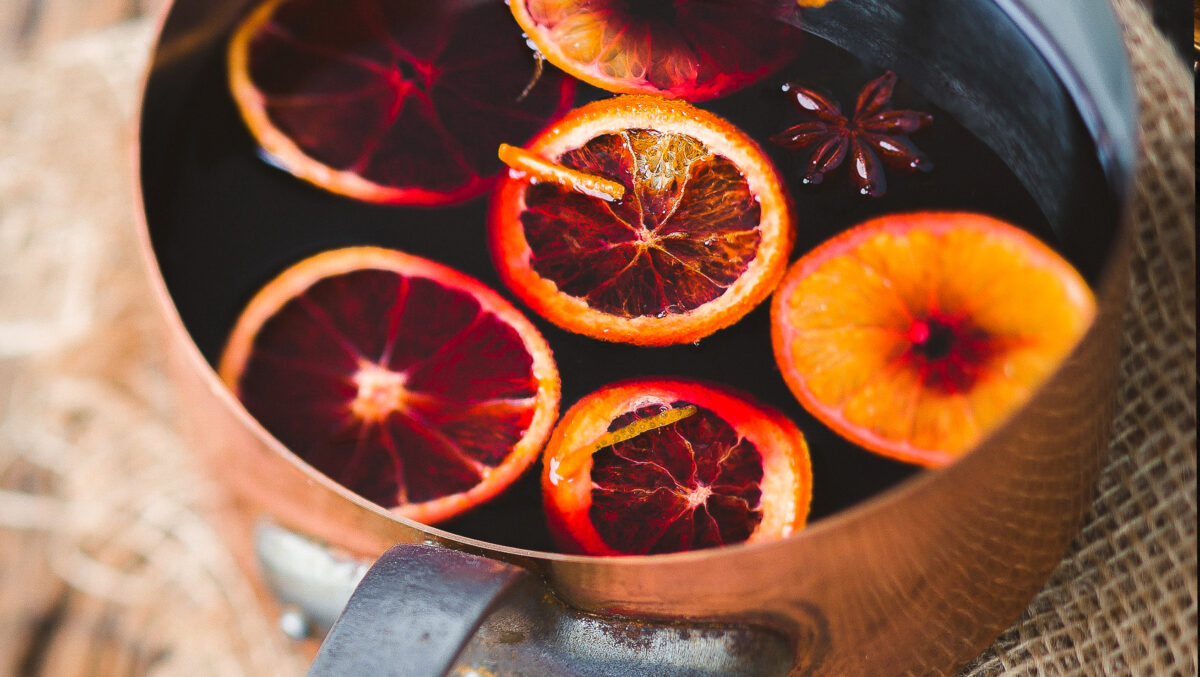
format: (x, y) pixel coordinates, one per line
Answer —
(687, 49)
(666, 465)
(914, 335)
(409, 383)
(401, 101)
(699, 235)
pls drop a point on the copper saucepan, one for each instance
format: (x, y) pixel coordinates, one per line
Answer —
(916, 580)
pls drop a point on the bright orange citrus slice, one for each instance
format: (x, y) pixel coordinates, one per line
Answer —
(687, 49)
(666, 465)
(409, 383)
(915, 335)
(700, 235)
(402, 101)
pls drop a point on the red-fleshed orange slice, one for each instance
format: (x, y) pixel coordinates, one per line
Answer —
(399, 101)
(698, 235)
(409, 383)
(914, 335)
(667, 465)
(687, 49)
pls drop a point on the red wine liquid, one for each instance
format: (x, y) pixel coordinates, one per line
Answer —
(224, 222)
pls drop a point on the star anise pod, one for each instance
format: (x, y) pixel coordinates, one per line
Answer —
(874, 136)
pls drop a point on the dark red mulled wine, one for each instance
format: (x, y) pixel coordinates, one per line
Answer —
(225, 222)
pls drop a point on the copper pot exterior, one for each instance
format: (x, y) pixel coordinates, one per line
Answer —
(917, 580)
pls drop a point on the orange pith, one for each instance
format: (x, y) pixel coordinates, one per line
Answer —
(701, 236)
(915, 335)
(687, 49)
(407, 382)
(389, 101)
(664, 465)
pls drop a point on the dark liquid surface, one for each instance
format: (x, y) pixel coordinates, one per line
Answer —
(224, 222)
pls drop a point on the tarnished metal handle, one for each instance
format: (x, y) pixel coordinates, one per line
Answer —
(422, 611)
(413, 613)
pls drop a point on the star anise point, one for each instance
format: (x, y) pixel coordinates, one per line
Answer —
(875, 136)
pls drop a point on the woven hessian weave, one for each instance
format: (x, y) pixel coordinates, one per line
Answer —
(109, 566)
(1123, 601)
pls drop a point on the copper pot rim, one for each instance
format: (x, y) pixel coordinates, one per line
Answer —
(1107, 288)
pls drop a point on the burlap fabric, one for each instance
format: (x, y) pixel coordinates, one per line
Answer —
(109, 566)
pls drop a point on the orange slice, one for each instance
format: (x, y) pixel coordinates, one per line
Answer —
(700, 235)
(688, 49)
(400, 101)
(666, 465)
(409, 383)
(915, 335)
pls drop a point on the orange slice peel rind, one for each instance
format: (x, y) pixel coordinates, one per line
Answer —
(701, 236)
(916, 335)
(685, 49)
(368, 110)
(592, 429)
(536, 168)
(443, 369)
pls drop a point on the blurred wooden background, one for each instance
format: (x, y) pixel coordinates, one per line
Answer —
(26, 25)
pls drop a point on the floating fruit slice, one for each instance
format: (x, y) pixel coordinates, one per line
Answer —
(401, 101)
(664, 465)
(687, 49)
(409, 383)
(700, 234)
(914, 335)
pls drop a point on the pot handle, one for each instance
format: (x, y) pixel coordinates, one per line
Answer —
(413, 613)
